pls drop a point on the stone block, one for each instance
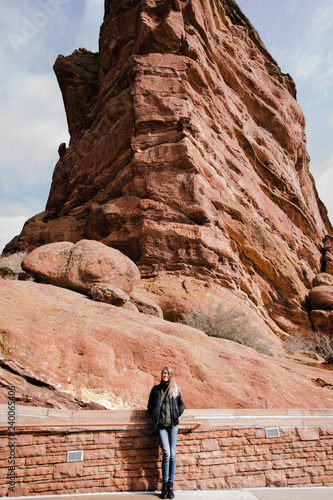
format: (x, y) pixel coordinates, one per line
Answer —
(214, 461)
(68, 469)
(80, 437)
(243, 432)
(235, 452)
(26, 440)
(223, 470)
(21, 490)
(210, 445)
(118, 483)
(252, 450)
(132, 453)
(279, 422)
(38, 450)
(143, 442)
(319, 455)
(193, 448)
(235, 441)
(276, 478)
(299, 481)
(184, 484)
(144, 484)
(99, 454)
(232, 422)
(326, 431)
(325, 478)
(235, 482)
(258, 465)
(315, 471)
(104, 437)
(296, 472)
(59, 413)
(211, 483)
(126, 443)
(187, 459)
(292, 463)
(255, 480)
(308, 434)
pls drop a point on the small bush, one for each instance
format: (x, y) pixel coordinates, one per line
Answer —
(297, 343)
(324, 346)
(318, 343)
(228, 323)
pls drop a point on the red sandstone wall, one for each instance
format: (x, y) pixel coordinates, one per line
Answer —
(229, 450)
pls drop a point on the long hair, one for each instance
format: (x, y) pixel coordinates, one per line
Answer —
(173, 387)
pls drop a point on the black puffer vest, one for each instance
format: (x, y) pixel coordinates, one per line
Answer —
(154, 405)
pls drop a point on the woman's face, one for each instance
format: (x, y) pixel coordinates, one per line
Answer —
(165, 376)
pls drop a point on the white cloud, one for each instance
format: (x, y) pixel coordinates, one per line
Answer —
(307, 64)
(87, 35)
(10, 227)
(324, 185)
(35, 125)
(33, 121)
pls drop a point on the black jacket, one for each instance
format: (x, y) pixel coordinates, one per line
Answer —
(154, 405)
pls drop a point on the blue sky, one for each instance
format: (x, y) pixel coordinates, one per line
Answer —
(298, 34)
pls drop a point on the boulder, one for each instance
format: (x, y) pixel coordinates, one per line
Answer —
(323, 279)
(328, 261)
(328, 242)
(322, 321)
(321, 297)
(105, 292)
(146, 305)
(10, 266)
(81, 266)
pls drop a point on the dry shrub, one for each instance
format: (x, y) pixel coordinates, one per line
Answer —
(318, 343)
(228, 323)
(298, 343)
(324, 346)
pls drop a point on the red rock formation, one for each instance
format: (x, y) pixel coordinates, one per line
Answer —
(81, 266)
(62, 350)
(188, 154)
(321, 295)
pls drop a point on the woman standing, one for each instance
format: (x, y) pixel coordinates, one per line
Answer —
(165, 406)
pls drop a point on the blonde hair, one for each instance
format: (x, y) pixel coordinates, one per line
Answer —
(173, 387)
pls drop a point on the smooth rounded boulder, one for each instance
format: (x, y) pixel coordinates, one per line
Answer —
(321, 297)
(81, 266)
(323, 279)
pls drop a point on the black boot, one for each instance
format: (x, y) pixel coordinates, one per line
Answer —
(170, 490)
(164, 492)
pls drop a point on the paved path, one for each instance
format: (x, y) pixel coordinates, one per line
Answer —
(244, 494)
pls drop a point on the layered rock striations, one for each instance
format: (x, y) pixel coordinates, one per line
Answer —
(61, 350)
(188, 154)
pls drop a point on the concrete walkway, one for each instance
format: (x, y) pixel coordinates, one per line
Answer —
(243, 494)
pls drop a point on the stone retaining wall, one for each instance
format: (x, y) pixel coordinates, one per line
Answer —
(228, 450)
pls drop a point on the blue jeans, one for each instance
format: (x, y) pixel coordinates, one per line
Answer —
(168, 440)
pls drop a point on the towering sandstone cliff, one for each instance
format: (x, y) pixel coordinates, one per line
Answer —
(188, 154)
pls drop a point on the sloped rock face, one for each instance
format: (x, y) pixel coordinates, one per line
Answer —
(188, 154)
(62, 350)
